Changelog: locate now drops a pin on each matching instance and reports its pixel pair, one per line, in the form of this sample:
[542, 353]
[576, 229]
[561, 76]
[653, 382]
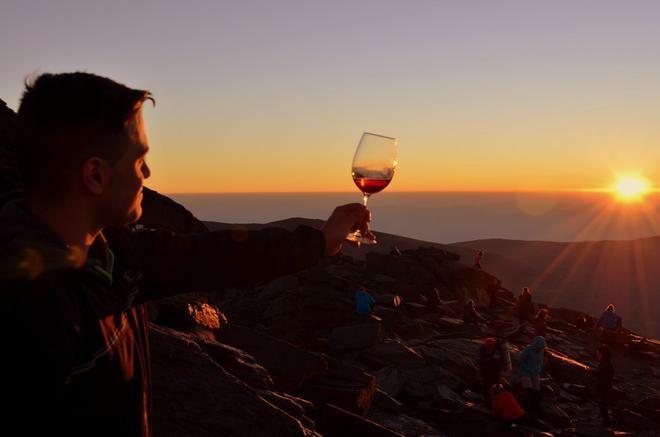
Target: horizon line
[457, 191]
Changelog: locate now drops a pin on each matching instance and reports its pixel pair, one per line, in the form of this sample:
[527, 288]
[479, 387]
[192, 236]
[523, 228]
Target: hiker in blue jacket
[610, 319]
[530, 366]
[364, 303]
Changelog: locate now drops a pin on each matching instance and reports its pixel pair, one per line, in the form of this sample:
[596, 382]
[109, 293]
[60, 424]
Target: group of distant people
[493, 359]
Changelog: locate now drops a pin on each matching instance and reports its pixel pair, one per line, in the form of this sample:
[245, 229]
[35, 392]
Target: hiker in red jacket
[505, 406]
[75, 278]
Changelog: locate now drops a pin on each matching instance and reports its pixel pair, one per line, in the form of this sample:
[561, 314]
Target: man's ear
[96, 174]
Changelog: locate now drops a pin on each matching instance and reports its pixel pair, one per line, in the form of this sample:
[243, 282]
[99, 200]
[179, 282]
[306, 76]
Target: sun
[631, 188]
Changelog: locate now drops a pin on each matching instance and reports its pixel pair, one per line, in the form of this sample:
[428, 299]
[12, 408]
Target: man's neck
[68, 220]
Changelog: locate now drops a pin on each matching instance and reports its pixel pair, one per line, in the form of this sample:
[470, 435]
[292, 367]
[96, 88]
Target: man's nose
[146, 171]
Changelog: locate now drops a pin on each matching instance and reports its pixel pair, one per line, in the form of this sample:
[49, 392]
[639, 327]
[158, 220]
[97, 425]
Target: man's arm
[174, 264]
[179, 263]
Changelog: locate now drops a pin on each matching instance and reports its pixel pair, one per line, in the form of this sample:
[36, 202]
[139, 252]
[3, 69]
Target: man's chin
[134, 217]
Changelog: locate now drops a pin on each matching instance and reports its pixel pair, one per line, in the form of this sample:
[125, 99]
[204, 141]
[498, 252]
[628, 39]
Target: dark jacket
[540, 327]
[525, 306]
[76, 338]
[604, 377]
[490, 364]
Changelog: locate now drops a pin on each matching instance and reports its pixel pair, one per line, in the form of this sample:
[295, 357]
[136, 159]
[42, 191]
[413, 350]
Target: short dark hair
[64, 119]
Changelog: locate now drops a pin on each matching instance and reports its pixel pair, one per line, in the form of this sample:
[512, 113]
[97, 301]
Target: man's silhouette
[74, 278]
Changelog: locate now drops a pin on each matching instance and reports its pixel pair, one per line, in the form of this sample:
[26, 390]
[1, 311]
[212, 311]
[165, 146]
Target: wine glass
[373, 169]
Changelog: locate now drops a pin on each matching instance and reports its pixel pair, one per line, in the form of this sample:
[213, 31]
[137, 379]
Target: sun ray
[570, 247]
[599, 223]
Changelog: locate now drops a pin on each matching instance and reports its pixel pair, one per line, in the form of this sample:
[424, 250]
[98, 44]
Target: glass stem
[365, 198]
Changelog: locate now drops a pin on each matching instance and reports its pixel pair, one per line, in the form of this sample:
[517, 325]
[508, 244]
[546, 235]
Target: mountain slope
[584, 275]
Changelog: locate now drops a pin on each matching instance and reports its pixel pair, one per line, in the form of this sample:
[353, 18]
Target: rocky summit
[291, 358]
[301, 363]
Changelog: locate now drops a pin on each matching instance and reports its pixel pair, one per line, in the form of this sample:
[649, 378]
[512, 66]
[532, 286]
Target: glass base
[357, 236]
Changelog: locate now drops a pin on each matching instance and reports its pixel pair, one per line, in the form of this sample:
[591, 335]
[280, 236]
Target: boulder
[633, 420]
[323, 307]
[194, 396]
[288, 365]
[296, 407]
[343, 385]
[278, 286]
[320, 275]
[414, 328]
[387, 403]
[239, 363]
[392, 353]
[404, 424]
[552, 413]
[187, 312]
[388, 300]
[356, 336]
[419, 385]
[376, 262]
[448, 354]
[564, 369]
[470, 420]
[446, 398]
[391, 380]
[581, 391]
[335, 421]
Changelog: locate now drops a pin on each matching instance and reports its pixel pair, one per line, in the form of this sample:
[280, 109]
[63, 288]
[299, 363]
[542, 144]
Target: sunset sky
[274, 95]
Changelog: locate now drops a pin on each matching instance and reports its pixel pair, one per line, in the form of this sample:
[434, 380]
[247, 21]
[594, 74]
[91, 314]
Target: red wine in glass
[373, 169]
[371, 186]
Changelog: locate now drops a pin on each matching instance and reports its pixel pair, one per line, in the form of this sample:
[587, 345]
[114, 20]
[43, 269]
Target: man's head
[81, 137]
[496, 389]
[538, 343]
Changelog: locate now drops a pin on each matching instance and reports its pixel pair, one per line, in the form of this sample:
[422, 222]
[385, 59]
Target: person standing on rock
[490, 362]
[477, 260]
[470, 314]
[530, 367]
[541, 323]
[364, 303]
[75, 278]
[604, 376]
[584, 323]
[610, 320]
[525, 307]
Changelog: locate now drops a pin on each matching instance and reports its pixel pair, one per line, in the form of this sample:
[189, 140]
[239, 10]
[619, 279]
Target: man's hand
[344, 220]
